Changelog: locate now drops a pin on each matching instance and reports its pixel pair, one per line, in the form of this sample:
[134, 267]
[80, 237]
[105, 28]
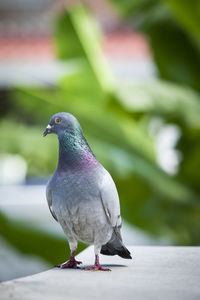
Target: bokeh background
[129, 70]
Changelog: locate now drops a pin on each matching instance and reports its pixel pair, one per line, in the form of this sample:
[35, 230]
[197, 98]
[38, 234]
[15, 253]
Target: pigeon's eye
[57, 120]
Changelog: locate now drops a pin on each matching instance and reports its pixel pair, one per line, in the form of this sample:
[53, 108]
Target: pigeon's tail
[115, 246]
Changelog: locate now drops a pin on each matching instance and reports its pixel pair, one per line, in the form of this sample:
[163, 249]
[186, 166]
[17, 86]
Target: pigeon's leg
[72, 262]
[97, 266]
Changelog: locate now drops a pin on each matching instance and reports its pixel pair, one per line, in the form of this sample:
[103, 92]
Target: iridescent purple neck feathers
[74, 152]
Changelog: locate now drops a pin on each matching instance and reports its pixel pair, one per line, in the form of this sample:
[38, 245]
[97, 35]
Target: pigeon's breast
[77, 205]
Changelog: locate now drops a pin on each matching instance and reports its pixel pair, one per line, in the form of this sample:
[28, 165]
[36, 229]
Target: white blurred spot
[12, 169]
[166, 138]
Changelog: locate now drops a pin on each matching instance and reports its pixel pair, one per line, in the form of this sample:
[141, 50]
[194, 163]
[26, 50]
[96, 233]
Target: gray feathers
[116, 246]
[110, 200]
[49, 201]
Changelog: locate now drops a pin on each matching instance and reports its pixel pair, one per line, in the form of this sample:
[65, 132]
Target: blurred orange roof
[117, 45]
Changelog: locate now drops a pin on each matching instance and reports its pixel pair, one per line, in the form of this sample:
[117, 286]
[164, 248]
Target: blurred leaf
[29, 143]
[82, 85]
[188, 14]
[173, 31]
[162, 98]
[189, 145]
[129, 7]
[143, 14]
[175, 55]
[76, 35]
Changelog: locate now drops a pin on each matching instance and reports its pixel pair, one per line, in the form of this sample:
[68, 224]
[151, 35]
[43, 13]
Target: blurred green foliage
[173, 31]
[116, 116]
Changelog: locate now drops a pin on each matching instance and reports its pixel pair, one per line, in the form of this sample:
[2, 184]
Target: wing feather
[110, 200]
[49, 201]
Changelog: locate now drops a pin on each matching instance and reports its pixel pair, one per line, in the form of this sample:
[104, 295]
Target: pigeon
[82, 195]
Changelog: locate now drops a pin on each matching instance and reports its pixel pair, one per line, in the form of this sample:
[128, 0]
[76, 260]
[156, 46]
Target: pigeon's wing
[49, 201]
[110, 200]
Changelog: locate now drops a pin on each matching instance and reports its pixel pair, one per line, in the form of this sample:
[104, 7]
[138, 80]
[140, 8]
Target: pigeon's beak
[48, 130]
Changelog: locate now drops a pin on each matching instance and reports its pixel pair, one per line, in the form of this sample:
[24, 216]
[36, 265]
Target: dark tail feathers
[115, 246]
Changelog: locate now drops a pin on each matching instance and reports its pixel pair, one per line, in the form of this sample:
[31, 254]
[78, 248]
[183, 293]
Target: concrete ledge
[170, 273]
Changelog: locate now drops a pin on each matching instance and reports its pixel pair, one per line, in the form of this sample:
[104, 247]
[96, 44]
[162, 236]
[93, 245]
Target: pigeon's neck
[74, 152]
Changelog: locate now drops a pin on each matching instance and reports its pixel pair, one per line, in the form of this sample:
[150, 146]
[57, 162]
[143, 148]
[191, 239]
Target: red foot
[70, 264]
[96, 268]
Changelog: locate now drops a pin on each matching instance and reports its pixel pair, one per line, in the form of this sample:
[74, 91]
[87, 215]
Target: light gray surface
[22, 265]
[170, 273]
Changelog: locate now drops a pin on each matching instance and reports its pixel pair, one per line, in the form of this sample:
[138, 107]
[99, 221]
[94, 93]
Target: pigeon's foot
[97, 266]
[70, 264]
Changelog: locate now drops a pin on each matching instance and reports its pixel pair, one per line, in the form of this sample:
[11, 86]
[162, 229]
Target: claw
[70, 264]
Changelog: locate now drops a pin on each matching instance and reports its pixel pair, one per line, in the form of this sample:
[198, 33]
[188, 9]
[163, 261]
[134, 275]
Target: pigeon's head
[61, 122]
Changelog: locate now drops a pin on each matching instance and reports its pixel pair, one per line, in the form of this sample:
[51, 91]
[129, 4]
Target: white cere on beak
[48, 126]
